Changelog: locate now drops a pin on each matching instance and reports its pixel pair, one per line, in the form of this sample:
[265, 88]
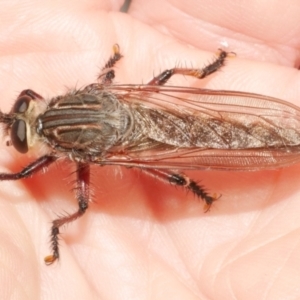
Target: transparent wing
[270, 126]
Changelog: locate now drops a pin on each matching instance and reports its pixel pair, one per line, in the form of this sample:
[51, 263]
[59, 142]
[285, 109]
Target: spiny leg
[107, 73]
[219, 61]
[83, 196]
[184, 181]
[31, 169]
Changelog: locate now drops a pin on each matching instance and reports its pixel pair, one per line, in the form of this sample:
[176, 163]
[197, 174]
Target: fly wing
[270, 129]
[197, 159]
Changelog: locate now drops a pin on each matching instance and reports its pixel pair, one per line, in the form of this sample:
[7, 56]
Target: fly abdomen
[224, 131]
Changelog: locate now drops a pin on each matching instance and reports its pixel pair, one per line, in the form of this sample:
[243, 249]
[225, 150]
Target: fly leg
[31, 169]
[184, 181]
[83, 197]
[107, 73]
[219, 62]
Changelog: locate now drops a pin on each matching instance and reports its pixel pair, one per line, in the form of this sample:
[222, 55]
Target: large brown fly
[156, 128]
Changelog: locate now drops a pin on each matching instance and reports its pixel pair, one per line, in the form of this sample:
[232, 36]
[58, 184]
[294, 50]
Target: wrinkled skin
[141, 239]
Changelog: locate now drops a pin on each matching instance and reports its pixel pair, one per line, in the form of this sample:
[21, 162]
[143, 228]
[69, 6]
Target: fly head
[21, 122]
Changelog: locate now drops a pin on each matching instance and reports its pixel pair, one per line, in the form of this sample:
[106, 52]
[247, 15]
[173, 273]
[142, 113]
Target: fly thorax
[85, 122]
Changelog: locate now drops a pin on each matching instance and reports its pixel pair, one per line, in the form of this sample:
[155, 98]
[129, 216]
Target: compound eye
[21, 105]
[18, 136]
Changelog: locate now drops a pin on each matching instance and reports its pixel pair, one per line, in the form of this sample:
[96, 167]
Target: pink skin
[141, 239]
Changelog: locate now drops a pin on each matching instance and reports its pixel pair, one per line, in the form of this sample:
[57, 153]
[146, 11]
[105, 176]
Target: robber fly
[153, 127]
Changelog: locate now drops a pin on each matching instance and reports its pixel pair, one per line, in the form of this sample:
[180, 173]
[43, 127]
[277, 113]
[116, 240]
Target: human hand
[142, 238]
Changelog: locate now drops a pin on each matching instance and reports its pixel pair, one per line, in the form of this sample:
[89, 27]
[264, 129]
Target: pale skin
[141, 239]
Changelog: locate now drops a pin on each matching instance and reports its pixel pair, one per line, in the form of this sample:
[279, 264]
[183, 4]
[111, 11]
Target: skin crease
[141, 239]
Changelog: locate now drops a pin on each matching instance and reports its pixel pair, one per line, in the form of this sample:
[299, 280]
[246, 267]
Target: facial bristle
[5, 118]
